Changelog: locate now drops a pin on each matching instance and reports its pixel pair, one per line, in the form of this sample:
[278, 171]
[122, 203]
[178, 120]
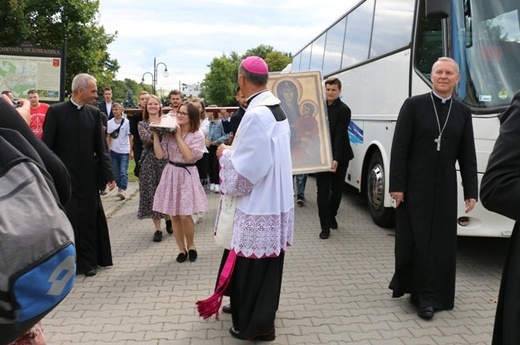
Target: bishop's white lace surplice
[259, 172]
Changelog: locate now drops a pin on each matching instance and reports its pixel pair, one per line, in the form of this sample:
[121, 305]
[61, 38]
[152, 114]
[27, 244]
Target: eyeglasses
[182, 113]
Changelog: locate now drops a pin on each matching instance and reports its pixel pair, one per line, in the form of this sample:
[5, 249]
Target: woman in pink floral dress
[179, 193]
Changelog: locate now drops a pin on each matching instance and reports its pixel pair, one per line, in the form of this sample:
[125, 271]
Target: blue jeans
[120, 168]
[301, 181]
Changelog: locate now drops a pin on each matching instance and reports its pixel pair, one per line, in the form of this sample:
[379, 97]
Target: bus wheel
[376, 179]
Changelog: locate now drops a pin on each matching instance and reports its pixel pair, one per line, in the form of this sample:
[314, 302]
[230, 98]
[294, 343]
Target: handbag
[115, 133]
[226, 217]
[225, 220]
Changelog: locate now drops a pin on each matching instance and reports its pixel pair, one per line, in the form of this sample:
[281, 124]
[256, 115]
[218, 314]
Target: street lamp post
[154, 75]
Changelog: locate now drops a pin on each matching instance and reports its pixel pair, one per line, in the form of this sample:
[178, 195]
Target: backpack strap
[118, 128]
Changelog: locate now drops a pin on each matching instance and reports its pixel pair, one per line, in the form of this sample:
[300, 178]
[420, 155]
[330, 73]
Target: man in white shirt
[120, 142]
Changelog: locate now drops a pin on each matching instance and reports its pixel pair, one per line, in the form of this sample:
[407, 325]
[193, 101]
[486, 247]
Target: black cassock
[501, 193]
[426, 222]
[77, 137]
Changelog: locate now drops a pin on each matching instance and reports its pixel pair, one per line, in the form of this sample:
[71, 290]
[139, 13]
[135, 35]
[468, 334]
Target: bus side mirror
[437, 9]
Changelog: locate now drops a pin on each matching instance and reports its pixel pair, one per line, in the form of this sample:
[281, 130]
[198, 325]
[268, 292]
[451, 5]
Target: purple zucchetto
[255, 64]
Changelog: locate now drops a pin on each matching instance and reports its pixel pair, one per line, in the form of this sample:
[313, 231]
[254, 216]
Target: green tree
[129, 101]
[277, 61]
[262, 50]
[126, 92]
[62, 23]
[119, 90]
[218, 86]
[219, 83]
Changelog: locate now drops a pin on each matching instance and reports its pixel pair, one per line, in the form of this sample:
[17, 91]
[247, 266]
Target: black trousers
[202, 167]
[138, 150]
[213, 165]
[329, 192]
[255, 294]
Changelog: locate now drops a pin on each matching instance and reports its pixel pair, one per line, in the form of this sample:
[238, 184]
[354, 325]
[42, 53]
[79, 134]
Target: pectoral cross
[438, 141]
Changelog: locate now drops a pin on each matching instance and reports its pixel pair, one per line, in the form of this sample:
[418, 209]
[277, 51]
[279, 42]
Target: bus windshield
[487, 38]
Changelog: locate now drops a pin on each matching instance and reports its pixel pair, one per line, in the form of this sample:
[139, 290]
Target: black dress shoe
[234, 333]
[426, 313]
[157, 236]
[182, 257]
[90, 273]
[226, 309]
[324, 234]
[169, 228]
[192, 254]
[266, 337]
[333, 223]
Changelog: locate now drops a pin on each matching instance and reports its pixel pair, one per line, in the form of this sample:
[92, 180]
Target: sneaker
[212, 187]
[301, 201]
[121, 194]
[217, 188]
[157, 236]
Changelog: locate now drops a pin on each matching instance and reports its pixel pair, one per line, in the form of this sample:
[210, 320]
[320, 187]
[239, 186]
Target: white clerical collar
[79, 107]
[443, 99]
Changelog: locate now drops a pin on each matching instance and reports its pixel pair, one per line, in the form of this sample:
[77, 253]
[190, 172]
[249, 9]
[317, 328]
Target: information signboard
[29, 67]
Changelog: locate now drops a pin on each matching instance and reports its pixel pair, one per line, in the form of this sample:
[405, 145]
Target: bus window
[357, 36]
[306, 58]
[318, 48]
[296, 63]
[429, 46]
[334, 48]
[493, 58]
[392, 26]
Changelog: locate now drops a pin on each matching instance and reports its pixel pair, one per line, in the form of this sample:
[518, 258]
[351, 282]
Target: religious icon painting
[302, 99]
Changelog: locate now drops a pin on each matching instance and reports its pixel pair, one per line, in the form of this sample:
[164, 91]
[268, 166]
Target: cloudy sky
[187, 35]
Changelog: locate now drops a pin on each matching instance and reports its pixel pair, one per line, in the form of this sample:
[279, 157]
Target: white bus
[383, 50]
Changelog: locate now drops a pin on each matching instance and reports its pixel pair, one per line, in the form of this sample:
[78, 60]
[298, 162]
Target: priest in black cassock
[500, 192]
[73, 130]
[433, 132]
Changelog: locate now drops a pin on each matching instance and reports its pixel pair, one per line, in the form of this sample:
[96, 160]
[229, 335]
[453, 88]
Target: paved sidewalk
[334, 291]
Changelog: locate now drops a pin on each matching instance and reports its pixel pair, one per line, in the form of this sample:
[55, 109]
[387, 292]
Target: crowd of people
[247, 156]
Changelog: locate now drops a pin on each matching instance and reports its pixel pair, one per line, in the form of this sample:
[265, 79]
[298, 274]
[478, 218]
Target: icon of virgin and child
[302, 115]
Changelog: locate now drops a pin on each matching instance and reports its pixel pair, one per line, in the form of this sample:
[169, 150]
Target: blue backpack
[37, 253]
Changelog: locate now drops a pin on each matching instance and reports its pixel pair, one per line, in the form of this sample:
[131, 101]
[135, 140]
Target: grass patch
[131, 176]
